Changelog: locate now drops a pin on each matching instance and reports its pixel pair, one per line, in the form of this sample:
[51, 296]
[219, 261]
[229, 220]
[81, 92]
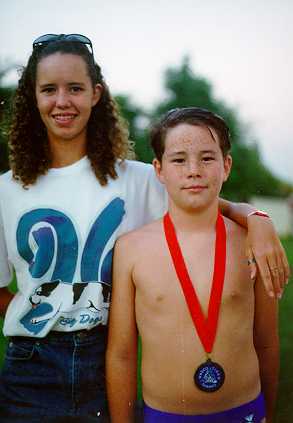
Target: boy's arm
[121, 356]
[266, 341]
[263, 244]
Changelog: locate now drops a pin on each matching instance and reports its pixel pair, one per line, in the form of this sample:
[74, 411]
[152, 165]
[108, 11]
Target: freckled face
[65, 96]
[193, 168]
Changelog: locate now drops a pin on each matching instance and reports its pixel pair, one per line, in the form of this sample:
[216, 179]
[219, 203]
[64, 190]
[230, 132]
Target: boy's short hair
[193, 116]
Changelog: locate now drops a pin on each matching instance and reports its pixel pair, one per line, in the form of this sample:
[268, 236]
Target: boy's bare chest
[158, 284]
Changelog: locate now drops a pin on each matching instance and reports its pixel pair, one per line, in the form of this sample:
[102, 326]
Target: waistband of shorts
[252, 411]
[58, 336]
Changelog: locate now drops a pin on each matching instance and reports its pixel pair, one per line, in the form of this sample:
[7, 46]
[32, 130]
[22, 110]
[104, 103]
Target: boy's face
[192, 168]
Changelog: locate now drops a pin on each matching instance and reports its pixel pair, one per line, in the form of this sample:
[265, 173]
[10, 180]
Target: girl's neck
[64, 153]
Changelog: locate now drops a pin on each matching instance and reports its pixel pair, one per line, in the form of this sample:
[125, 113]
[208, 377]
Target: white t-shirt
[58, 237]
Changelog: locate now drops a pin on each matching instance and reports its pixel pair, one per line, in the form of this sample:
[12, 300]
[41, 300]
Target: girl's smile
[65, 97]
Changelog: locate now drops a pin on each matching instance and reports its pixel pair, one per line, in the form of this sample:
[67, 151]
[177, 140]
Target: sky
[243, 47]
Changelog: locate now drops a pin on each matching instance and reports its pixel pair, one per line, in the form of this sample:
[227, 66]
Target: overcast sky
[244, 48]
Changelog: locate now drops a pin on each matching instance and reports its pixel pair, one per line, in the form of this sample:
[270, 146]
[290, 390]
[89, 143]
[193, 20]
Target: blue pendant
[209, 376]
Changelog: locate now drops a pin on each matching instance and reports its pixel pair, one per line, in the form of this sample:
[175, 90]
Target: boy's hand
[270, 258]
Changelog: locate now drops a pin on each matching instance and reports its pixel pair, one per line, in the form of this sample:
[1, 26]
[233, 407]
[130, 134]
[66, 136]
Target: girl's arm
[263, 244]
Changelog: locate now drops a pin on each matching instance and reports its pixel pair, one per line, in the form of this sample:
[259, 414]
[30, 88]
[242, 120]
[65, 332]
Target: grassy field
[285, 396]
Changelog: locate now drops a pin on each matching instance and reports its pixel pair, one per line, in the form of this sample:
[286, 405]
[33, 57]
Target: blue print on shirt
[100, 233]
[45, 242]
[43, 234]
[67, 243]
[29, 321]
[106, 271]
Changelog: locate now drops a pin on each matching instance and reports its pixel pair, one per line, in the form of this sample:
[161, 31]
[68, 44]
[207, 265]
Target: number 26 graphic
[56, 242]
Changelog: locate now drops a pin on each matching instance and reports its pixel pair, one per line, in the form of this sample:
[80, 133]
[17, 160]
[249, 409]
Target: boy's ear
[158, 169]
[227, 166]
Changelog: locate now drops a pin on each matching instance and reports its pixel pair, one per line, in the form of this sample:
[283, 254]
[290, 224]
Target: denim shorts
[58, 378]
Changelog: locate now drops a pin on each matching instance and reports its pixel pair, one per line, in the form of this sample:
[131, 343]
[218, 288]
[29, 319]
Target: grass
[285, 395]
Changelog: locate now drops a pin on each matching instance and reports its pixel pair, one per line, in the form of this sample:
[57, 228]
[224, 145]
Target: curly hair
[107, 134]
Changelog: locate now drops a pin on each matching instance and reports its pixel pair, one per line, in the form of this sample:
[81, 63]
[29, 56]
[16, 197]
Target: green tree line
[183, 87]
[6, 94]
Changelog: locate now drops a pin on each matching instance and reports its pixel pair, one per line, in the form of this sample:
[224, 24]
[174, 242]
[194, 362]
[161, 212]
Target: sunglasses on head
[50, 38]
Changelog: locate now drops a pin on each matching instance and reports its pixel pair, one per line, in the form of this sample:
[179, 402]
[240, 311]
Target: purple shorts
[251, 412]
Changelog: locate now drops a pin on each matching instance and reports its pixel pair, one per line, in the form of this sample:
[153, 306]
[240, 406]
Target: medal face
[209, 376]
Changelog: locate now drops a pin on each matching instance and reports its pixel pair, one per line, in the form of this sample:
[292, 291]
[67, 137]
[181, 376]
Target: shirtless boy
[234, 322]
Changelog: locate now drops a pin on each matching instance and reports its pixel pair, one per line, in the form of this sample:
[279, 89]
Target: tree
[137, 120]
[249, 175]
[6, 94]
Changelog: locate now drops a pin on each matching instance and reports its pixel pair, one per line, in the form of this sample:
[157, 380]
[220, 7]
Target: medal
[209, 376]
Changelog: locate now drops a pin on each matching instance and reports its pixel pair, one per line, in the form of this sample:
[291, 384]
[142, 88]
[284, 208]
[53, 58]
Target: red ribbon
[206, 327]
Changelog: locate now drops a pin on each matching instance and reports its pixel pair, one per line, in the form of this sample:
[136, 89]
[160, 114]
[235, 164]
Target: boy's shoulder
[234, 230]
[140, 237]
[236, 240]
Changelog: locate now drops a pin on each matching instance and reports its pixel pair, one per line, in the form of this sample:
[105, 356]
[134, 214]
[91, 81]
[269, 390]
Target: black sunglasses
[50, 38]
